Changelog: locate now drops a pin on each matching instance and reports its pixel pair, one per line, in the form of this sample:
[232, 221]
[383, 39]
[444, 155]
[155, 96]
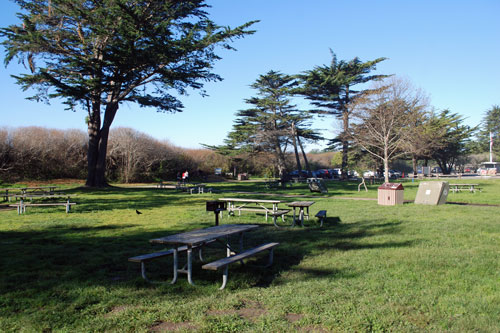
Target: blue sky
[448, 48]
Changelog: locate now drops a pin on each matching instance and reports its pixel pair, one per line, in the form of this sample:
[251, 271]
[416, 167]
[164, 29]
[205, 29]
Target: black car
[303, 174]
[323, 173]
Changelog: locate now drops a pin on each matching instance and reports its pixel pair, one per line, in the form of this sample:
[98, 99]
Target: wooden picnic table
[460, 187]
[7, 196]
[21, 205]
[241, 204]
[197, 238]
[38, 189]
[300, 205]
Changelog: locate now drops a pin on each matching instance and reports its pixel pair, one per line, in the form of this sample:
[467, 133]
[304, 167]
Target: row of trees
[388, 120]
[40, 153]
[273, 123]
[36, 153]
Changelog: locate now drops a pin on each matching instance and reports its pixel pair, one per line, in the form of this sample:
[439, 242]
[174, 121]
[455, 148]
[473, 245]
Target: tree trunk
[296, 151]
[386, 170]
[386, 164]
[414, 164]
[94, 133]
[281, 162]
[345, 145]
[306, 161]
[98, 145]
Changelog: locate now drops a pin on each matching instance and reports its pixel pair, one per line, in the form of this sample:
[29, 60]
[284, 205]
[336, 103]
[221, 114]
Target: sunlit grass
[370, 268]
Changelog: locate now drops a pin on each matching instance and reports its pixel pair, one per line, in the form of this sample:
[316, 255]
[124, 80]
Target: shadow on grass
[116, 198]
[39, 262]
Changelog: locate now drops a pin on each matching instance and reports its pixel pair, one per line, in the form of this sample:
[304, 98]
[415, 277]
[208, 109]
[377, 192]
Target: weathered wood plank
[215, 265]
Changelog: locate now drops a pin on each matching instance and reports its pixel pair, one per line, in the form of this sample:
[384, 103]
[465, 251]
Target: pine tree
[490, 124]
[330, 89]
[272, 123]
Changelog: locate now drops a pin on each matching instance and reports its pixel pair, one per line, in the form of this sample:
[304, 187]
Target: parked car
[335, 173]
[303, 174]
[436, 170]
[370, 173]
[394, 174]
[323, 173]
[352, 174]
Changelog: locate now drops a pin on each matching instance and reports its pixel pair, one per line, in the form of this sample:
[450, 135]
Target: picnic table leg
[176, 262]
[301, 216]
[293, 224]
[190, 264]
[224, 278]
[241, 242]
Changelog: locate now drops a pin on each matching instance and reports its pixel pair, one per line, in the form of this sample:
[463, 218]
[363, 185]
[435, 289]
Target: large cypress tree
[97, 54]
[331, 89]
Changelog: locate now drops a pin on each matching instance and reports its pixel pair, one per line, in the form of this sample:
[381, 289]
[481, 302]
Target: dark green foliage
[99, 54]
[490, 124]
[271, 124]
[330, 89]
[454, 142]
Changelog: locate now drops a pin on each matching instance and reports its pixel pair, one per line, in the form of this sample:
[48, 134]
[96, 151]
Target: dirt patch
[294, 317]
[116, 310]
[166, 326]
[315, 329]
[250, 310]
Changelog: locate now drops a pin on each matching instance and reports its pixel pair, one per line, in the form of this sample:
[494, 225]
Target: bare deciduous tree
[383, 119]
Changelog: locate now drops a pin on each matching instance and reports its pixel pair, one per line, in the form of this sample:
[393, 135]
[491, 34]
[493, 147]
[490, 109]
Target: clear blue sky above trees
[448, 48]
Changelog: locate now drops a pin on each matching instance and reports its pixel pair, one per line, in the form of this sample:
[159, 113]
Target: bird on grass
[138, 212]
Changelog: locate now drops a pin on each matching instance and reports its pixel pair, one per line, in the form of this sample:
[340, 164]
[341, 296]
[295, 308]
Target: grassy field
[370, 268]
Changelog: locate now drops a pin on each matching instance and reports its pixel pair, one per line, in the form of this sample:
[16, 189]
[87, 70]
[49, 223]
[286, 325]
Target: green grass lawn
[370, 268]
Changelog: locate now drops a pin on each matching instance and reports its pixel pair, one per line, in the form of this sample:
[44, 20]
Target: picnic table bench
[241, 204]
[321, 215]
[143, 258]
[200, 189]
[469, 187]
[21, 205]
[225, 262]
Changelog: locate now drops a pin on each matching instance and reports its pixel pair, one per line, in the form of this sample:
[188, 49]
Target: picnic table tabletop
[43, 195]
[250, 200]
[300, 204]
[204, 235]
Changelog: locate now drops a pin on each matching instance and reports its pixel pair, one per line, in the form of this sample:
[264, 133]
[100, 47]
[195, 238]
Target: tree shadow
[38, 263]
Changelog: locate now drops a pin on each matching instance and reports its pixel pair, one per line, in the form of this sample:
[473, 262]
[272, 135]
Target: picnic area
[366, 268]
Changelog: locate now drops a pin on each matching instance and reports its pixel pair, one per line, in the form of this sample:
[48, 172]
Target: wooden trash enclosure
[390, 194]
